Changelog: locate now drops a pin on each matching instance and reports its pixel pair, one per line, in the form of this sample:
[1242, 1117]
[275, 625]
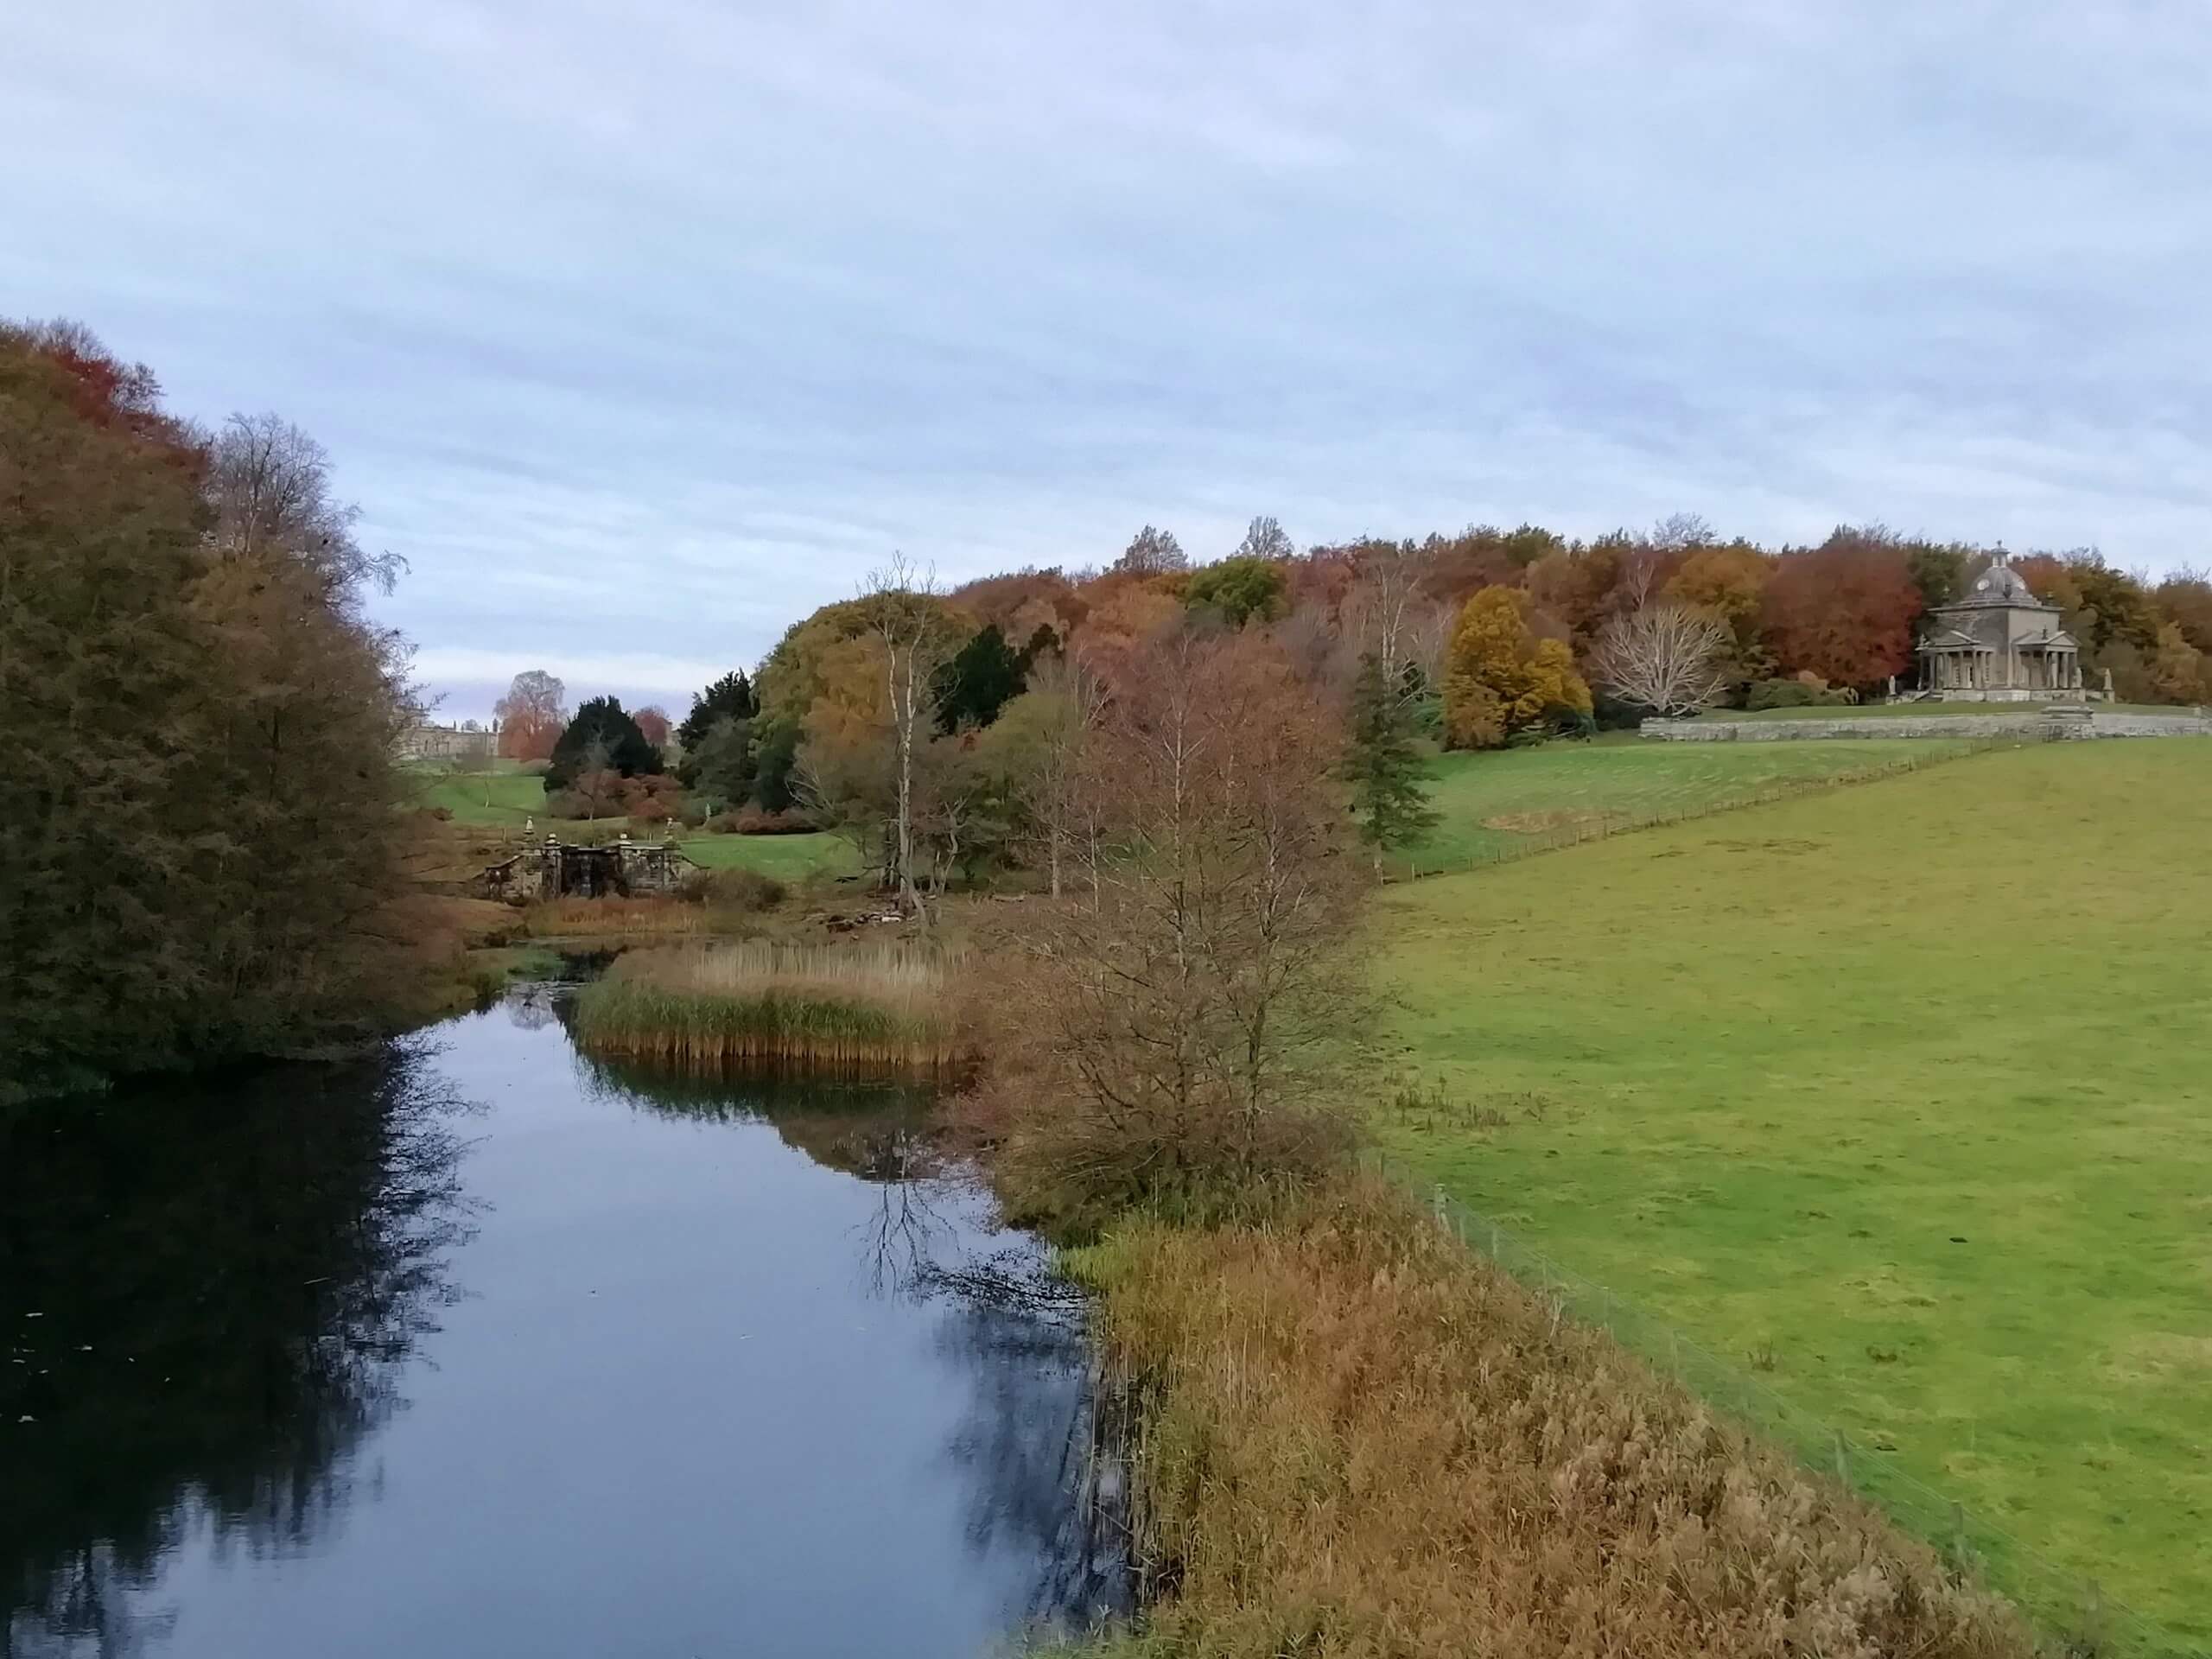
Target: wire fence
[1416, 867]
[2071, 1609]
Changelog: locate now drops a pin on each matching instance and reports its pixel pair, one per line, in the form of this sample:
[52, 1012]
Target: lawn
[788, 858]
[1498, 805]
[505, 797]
[1900, 1092]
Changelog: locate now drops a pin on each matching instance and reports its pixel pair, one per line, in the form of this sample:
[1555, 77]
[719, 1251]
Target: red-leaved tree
[1843, 610]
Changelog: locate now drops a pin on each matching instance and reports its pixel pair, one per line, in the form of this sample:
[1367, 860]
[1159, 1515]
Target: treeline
[927, 717]
[199, 822]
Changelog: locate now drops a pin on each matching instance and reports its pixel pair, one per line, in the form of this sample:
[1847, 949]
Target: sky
[640, 331]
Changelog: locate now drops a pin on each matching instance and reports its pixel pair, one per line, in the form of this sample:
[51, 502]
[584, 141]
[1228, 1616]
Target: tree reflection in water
[1041, 1486]
[207, 1288]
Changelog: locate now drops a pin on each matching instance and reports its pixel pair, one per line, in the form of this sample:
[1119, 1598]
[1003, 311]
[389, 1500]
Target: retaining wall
[2031, 725]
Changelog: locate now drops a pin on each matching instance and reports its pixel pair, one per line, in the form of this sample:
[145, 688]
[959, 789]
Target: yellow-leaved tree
[1500, 679]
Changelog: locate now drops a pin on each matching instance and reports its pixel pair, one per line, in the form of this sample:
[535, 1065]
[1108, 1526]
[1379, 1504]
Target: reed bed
[856, 1009]
[1348, 1439]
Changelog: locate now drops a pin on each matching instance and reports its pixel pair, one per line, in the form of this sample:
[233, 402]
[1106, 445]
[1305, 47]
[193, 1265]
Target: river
[480, 1348]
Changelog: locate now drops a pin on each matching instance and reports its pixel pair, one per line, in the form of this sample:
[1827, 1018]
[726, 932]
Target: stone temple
[1999, 644]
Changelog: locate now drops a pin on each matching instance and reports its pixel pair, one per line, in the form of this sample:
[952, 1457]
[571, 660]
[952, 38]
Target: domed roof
[2000, 585]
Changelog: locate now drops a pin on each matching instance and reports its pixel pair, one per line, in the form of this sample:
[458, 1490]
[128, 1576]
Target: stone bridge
[557, 870]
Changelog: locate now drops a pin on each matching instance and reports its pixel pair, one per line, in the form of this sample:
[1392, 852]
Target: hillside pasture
[1897, 1096]
[506, 796]
[1499, 805]
[792, 858]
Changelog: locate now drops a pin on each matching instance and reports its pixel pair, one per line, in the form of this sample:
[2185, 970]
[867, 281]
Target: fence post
[1494, 1252]
[1842, 1459]
[1436, 1204]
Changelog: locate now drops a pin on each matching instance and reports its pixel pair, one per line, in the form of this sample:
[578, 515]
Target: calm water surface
[482, 1350]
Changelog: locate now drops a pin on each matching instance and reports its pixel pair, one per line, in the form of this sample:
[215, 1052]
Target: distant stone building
[467, 740]
[1999, 644]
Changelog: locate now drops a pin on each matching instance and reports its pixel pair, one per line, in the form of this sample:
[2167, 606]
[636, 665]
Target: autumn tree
[1159, 1041]
[1045, 735]
[202, 847]
[1500, 679]
[2184, 599]
[1390, 614]
[653, 725]
[532, 715]
[1843, 611]
[1384, 764]
[1672, 659]
[1152, 553]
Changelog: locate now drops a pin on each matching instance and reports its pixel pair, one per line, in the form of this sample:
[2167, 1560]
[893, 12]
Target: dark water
[480, 1349]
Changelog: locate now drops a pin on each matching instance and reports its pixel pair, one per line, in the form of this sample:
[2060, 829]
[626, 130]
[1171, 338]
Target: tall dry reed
[857, 1008]
[1352, 1440]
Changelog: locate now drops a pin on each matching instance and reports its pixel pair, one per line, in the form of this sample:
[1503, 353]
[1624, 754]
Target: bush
[747, 890]
[757, 821]
[1795, 694]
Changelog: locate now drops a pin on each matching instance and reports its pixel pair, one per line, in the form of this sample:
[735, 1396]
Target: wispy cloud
[641, 334]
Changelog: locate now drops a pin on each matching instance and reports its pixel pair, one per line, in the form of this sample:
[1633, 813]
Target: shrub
[1797, 693]
[747, 890]
[757, 821]
[1351, 1438]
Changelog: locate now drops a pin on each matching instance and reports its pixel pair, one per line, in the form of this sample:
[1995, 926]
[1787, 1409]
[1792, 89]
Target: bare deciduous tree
[908, 619]
[1670, 659]
[1160, 1040]
[1071, 700]
[1389, 616]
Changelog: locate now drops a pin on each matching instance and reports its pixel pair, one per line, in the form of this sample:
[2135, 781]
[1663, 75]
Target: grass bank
[1352, 1437]
[1497, 807]
[846, 1009]
[1897, 1096]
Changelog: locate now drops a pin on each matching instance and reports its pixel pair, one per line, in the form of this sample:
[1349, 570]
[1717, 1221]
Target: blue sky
[641, 330]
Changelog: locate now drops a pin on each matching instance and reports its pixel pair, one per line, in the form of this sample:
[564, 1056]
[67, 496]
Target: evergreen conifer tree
[1384, 764]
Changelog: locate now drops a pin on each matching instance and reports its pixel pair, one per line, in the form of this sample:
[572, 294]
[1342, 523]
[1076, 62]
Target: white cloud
[641, 336]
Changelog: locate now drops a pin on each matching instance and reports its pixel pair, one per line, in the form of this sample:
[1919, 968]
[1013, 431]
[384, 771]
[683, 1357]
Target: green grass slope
[1498, 805]
[1905, 1089]
[788, 858]
[505, 796]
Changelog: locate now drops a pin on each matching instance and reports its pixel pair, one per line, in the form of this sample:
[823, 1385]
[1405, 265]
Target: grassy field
[1497, 805]
[504, 796]
[1899, 1093]
[788, 858]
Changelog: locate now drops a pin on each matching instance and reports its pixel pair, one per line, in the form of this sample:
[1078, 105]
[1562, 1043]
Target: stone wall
[552, 871]
[2026, 725]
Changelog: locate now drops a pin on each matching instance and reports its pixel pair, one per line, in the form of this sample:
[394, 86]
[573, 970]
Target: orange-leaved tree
[1499, 679]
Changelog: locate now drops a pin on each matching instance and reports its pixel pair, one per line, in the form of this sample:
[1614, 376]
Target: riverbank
[1352, 1437]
